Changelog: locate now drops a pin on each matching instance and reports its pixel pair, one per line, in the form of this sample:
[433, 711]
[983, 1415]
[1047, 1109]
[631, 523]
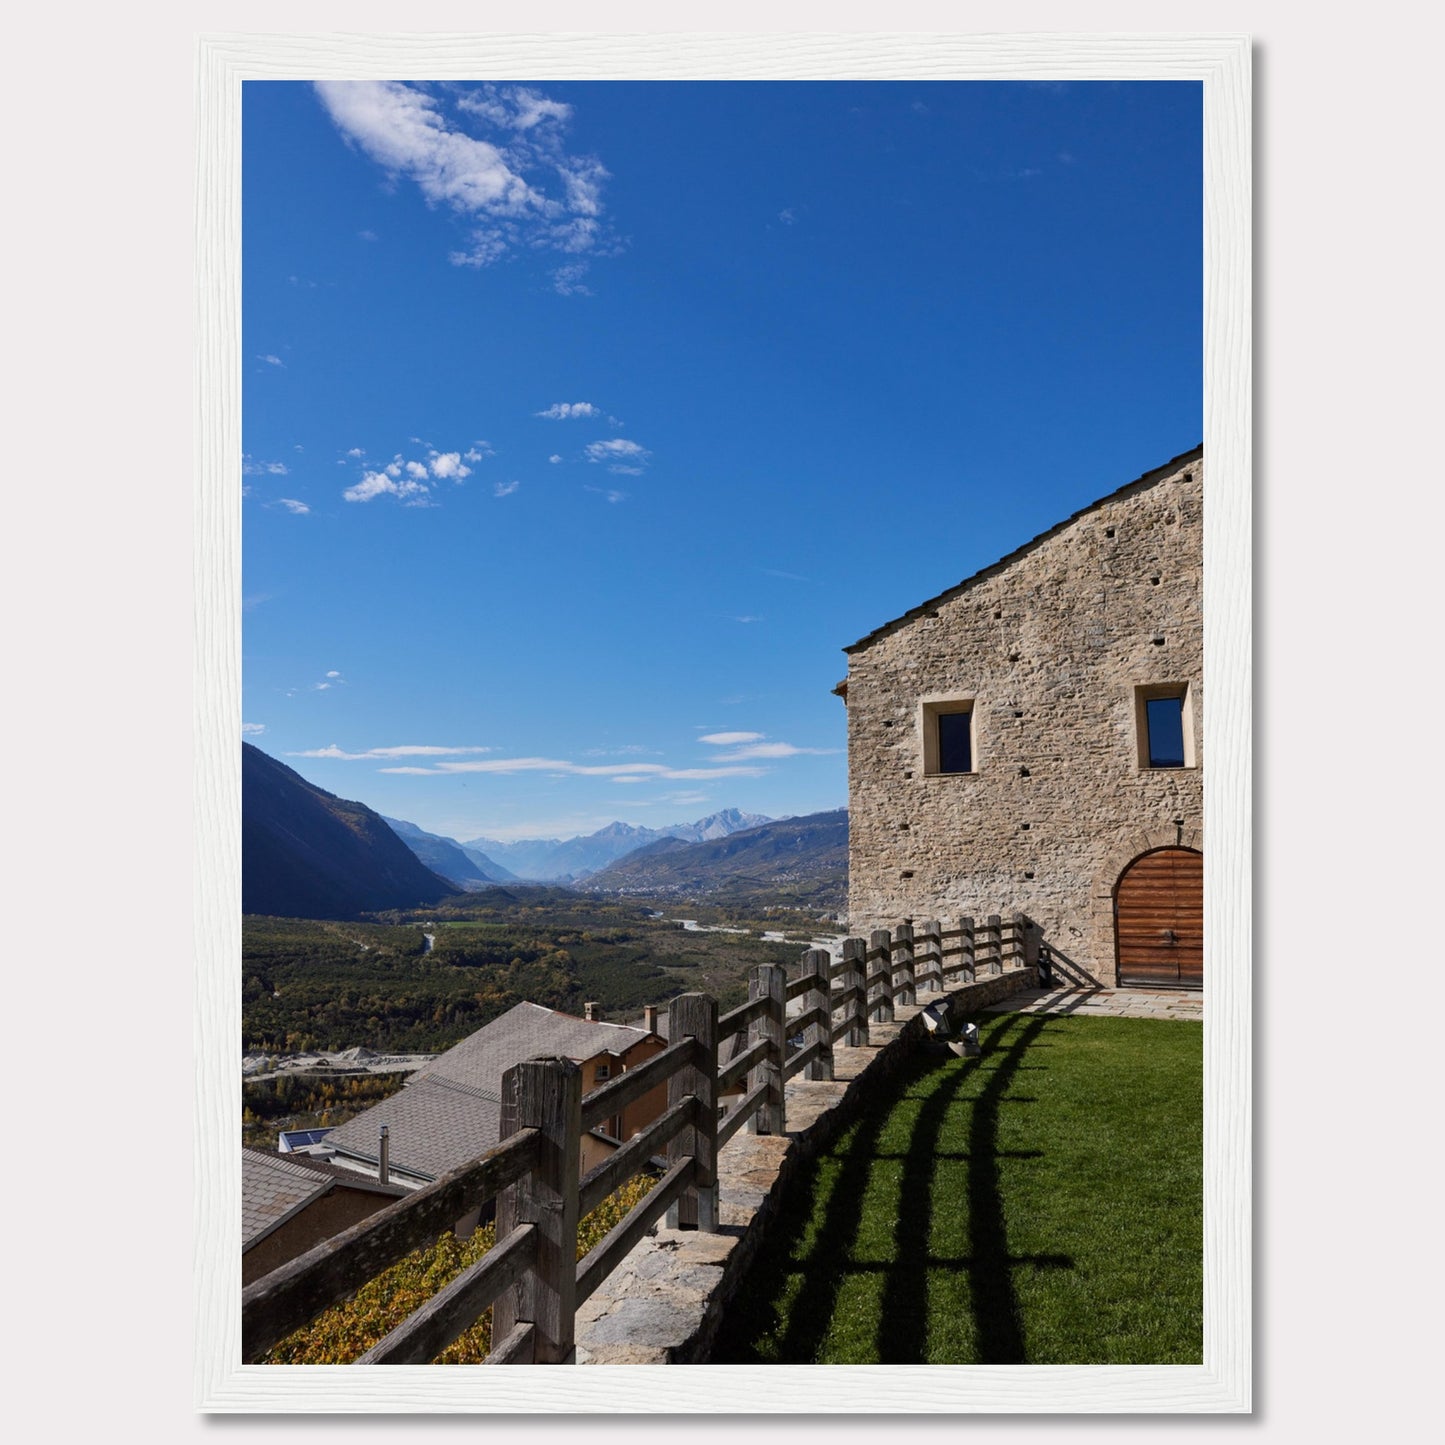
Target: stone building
[1032, 739]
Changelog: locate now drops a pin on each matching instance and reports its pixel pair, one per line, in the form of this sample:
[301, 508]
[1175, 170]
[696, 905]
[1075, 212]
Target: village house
[449, 1112]
[1032, 740]
[289, 1205]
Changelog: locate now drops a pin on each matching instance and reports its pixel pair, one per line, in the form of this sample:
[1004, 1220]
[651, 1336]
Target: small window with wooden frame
[1164, 725]
[949, 742]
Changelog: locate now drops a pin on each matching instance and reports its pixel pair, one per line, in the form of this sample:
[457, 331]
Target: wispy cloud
[772, 750]
[253, 468]
[611, 493]
[567, 410]
[622, 455]
[787, 216]
[747, 617]
[561, 767]
[505, 489]
[367, 235]
[332, 679]
[300, 509]
[787, 576]
[569, 280]
[252, 729]
[405, 750]
[494, 155]
[271, 360]
[554, 459]
[751, 747]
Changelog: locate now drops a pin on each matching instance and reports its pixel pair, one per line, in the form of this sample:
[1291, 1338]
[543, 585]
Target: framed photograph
[729, 556]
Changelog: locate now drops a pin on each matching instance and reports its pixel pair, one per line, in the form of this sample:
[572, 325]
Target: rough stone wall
[1050, 646]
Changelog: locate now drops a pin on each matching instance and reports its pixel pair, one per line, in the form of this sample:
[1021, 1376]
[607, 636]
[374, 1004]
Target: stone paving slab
[1127, 1003]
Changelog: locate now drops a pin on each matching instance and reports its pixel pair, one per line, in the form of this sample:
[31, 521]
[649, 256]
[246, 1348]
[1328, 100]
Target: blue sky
[586, 423]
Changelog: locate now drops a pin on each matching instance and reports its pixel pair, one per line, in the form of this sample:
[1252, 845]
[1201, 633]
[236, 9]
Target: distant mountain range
[800, 862]
[305, 853]
[466, 867]
[569, 860]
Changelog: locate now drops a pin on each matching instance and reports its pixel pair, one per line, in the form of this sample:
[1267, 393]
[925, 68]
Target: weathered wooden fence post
[965, 949]
[931, 967]
[694, 1015]
[905, 988]
[1013, 942]
[816, 963]
[769, 981]
[990, 944]
[855, 976]
[879, 976]
[546, 1095]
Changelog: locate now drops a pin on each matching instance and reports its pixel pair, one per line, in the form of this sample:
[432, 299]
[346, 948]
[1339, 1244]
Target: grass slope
[1039, 1205]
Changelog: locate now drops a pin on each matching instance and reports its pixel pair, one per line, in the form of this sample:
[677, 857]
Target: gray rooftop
[276, 1186]
[450, 1111]
[526, 1031]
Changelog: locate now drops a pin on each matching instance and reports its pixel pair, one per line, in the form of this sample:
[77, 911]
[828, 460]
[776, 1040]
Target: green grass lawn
[1038, 1205]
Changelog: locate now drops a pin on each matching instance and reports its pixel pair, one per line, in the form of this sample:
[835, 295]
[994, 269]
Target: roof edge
[1154, 474]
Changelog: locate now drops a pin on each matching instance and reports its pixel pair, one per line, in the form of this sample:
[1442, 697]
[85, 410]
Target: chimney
[592, 1012]
[649, 1017]
[383, 1173]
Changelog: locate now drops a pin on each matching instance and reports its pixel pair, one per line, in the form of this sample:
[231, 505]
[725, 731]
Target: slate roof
[526, 1031]
[1139, 483]
[450, 1111]
[433, 1124]
[276, 1186]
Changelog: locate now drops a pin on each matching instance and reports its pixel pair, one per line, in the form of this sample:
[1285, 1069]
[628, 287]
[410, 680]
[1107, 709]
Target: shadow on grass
[801, 1326]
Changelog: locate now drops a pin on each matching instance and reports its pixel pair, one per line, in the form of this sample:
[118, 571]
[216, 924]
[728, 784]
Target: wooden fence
[531, 1277]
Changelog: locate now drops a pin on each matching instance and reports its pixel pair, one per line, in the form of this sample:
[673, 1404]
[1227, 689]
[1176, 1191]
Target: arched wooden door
[1159, 920]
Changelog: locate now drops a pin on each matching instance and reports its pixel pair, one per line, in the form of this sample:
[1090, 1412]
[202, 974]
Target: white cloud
[626, 471]
[292, 505]
[379, 484]
[567, 280]
[610, 493]
[747, 617]
[554, 459]
[505, 489]
[401, 128]
[521, 189]
[563, 768]
[271, 360]
[367, 235]
[333, 674]
[772, 750]
[406, 750]
[449, 465]
[252, 729]
[407, 478]
[566, 410]
[748, 747]
[515, 107]
[252, 468]
[786, 216]
[618, 449]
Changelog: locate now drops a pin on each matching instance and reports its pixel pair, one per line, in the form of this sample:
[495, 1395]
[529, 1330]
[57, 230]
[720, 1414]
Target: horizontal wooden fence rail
[281, 1302]
[531, 1278]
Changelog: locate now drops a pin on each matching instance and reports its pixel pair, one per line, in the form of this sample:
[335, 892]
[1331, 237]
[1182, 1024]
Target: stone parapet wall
[664, 1303]
[1050, 648]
